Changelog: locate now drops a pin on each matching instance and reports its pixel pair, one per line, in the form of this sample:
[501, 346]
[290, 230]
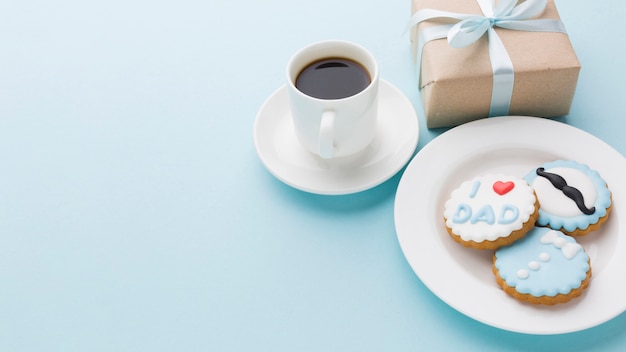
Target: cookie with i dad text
[574, 198]
[491, 211]
[544, 267]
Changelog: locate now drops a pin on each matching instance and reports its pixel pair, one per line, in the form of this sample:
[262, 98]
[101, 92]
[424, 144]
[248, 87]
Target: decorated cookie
[574, 198]
[491, 211]
[544, 267]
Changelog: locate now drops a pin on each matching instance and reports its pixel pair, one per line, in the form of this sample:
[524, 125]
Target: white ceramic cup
[333, 128]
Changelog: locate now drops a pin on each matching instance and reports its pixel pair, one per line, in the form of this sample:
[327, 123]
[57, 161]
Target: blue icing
[463, 214]
[517, 263]
[509, 214]
[475, 189]
[484, 214]
[570, 224]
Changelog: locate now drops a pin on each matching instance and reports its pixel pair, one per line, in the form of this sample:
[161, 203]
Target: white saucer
[285, 158]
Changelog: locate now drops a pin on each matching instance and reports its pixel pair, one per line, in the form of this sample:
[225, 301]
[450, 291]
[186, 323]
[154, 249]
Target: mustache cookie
[574, 198]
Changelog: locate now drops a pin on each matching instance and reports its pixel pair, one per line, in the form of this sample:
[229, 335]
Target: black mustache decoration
[570, 192]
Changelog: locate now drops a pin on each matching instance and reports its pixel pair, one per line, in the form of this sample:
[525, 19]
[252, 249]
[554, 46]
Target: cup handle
[326, 141]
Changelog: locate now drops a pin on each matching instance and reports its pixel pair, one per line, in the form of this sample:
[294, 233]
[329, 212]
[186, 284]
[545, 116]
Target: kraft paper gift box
[456, 84]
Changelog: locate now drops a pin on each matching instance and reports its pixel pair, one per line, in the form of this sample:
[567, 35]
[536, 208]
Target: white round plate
[462, 277]
[285, 158]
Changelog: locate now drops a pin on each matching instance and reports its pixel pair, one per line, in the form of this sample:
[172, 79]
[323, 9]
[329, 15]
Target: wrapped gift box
[456, 83]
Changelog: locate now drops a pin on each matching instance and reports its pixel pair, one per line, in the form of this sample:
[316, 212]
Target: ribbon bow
[507, 14]
[569, 249]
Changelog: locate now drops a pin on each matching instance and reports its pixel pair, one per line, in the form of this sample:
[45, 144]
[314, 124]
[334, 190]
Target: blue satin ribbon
[471, 27]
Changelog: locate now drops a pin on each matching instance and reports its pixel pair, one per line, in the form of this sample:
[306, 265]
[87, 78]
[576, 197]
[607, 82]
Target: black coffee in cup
[333, 78]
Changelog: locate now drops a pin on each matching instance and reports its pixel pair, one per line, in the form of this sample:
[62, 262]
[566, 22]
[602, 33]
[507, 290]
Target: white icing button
[533, 265]
[522, 274]
[560, 242]
[544, 257]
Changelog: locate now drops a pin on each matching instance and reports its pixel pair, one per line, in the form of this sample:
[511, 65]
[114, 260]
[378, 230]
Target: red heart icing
[503, 188]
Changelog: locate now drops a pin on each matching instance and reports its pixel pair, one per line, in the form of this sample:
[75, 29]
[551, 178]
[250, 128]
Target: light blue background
[135, 214]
